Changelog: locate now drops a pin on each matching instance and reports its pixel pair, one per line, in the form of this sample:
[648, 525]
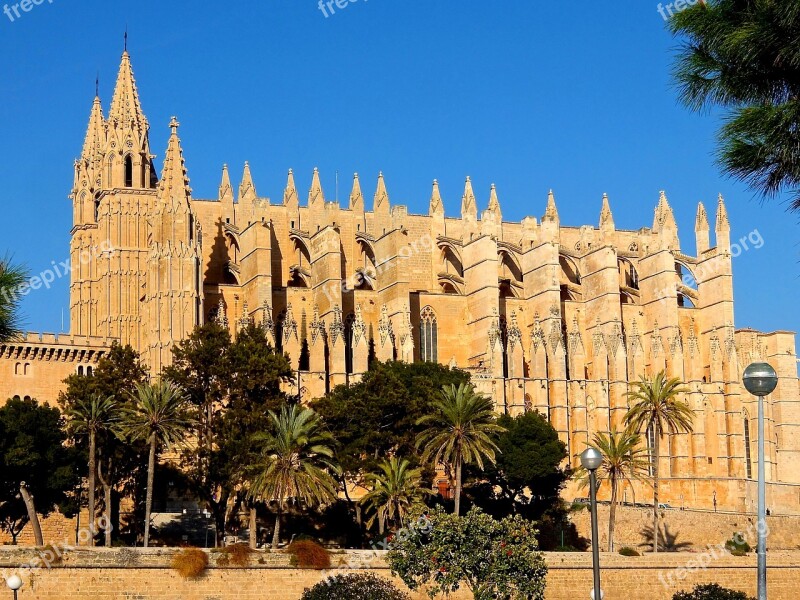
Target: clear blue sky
[573, 96]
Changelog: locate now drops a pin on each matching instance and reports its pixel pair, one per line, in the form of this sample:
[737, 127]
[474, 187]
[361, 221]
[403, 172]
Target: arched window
[348, 343]
[748, 462]
[428, 335]
[110, 170]
[528, 403]
[128, 171]
[651, 450]
[17, 370]
[27, 398]
[80, 369]
[89, 370]
[26, 369]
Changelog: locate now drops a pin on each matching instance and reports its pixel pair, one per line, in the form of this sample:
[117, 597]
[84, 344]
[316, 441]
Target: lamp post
[760, 380]
[14, 583]
[591, 460]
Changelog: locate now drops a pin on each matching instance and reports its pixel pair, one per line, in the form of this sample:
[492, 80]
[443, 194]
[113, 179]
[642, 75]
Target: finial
[173, 123]
[468, 179]
[97, 85]
[246, 164]
[355, 175]
[291, 171]
[125, 43]
[435, 182]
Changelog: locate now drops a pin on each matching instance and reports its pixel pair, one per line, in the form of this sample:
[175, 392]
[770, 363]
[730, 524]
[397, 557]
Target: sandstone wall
[145, 575]
[688, 530]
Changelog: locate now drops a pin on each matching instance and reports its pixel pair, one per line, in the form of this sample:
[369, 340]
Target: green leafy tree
[258, 376]
[119, 461]
[711, 591]
[459, 431]
[160, 417]
[624, 461]
[379, 415]
[527, 476]
[201, 368]
[89, 418]
[495, 560]
[655, 405]
[355, 586]
[393, 492]
[295, 463]
[742, 55]
[12, 277]
[35, 465]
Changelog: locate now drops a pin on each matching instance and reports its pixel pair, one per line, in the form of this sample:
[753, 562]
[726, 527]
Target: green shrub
[308, 554]
[711, 592]
[737, 545]
[190, 562]
[627, 551]
[358, 586]
[566, 548]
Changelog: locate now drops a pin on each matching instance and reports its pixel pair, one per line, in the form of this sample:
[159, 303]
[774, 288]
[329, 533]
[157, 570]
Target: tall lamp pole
[591, 460]
[760, 379]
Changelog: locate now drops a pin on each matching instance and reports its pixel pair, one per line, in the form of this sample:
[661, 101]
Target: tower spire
[126, 109]
[247, 189]
[290, 193]
[436, 204]
[356, 196]
[95, 133]
[494, 202]
[315, 194]
[469, 207]
[606, 218]
[174, 179]
[225, 188]
[551, 212]
[381, 200]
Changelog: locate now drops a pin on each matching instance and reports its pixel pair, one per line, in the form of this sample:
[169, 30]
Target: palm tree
[624, 461]
[656, 407]
[91, 417]
[11, 279]
[742, 56]
[394, 491]
[160, 416]
[459, 432]
[296, 462]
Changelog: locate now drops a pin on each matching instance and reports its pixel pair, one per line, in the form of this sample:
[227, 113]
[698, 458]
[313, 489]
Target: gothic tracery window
[748, 463]
[428, 335]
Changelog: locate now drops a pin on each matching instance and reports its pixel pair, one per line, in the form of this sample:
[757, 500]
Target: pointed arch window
[348, 343]
[651, 450]
[128, 171]
[428, 335]
[748, 462]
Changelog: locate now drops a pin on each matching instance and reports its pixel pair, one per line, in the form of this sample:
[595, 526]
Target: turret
[722, 229]
[701, 230]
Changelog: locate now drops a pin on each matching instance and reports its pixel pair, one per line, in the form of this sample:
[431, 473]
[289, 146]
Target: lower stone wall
[137, 574]
[687, 530]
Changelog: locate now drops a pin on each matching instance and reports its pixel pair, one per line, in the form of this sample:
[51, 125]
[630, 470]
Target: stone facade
[545, 316]
[138, 574]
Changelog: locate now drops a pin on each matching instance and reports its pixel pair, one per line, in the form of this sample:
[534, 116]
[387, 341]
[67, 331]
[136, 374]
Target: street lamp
[591, 460]
[14, 582]
[760, 379]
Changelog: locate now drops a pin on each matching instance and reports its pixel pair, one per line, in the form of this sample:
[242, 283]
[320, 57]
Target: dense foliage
[711, 592]
[743, 55]
[379, 415]
[527, 476]
[355, 586]
[496, 560]
[32, 451]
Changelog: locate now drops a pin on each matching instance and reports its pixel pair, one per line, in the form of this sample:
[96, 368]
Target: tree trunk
[612, 513]
[276, 534]
[92, 483]
[32, 516]
[253, 527]
[458, 488]
[148, 503]
[105, 482]
[656, 447]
